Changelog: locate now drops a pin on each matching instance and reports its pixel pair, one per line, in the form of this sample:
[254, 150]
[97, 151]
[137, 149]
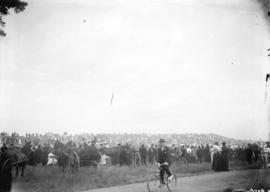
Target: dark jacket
[164, 156]
[143, 152]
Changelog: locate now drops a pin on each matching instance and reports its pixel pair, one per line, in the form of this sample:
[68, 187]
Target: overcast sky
[172, 66]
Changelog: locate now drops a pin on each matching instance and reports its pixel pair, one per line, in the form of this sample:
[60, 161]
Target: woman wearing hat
[164, 161]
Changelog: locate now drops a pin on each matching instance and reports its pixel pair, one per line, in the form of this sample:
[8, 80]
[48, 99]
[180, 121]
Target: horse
[5, 170]
[15, 158]
[66, 157]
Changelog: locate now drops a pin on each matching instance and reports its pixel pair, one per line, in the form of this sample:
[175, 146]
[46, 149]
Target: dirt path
[216, 182]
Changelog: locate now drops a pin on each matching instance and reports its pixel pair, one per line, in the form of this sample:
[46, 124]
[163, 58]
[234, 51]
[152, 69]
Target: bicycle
[153, 183]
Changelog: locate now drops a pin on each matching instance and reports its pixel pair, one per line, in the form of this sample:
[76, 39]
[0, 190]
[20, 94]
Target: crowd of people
[115, 139]
[141, 149]
[132, 149]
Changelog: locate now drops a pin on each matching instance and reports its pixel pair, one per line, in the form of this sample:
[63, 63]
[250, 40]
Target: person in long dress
[211, 150]
[216, 165]
[224, 157]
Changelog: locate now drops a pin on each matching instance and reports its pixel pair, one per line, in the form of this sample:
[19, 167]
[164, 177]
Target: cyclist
[164, 161]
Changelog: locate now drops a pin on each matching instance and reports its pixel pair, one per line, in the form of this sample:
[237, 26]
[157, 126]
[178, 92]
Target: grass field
[54, 179]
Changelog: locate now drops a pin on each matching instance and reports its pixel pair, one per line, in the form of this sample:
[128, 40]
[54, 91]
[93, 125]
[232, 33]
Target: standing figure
[207, 155]
[216, 164]
[265, 153]
[143, 153]
[199, 154]
[151, 154]
[123, 156]
[224, 157]
[138, 159]
[249, 154]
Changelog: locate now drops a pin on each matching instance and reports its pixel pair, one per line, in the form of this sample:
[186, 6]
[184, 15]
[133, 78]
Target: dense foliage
[5, 7]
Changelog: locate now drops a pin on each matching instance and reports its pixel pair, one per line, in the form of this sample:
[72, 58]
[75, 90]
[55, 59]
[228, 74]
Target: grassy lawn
[54, 179]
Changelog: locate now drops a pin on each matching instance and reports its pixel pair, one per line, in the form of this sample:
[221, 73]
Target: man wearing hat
[164, 161]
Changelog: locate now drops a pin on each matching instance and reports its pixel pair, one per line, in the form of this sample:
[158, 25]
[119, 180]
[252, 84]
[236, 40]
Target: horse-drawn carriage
[67, 157]
[93, 156]
[73, 158]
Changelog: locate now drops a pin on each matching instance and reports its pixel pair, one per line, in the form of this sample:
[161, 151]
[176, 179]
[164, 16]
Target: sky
[135, 66]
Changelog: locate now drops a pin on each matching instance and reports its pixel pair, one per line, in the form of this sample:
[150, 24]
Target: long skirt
[217, 162]
[224, 162]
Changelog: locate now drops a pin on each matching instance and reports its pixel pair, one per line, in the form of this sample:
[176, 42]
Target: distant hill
[134, 139]
[194, 138]
[210, 138]
[186, 138]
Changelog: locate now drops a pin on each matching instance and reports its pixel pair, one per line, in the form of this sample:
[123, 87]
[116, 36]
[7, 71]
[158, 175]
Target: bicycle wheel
[172, 183]
[153, 183]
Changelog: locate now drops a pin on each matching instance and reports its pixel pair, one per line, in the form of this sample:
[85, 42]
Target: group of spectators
[141, 149]
[143, 155]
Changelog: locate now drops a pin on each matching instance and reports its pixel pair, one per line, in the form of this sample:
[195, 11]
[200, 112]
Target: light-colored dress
[214, 149]
[51, 159]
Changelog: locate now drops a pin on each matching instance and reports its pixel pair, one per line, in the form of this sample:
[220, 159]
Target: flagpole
[266, 99]
[112, 115]
[267, 105]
